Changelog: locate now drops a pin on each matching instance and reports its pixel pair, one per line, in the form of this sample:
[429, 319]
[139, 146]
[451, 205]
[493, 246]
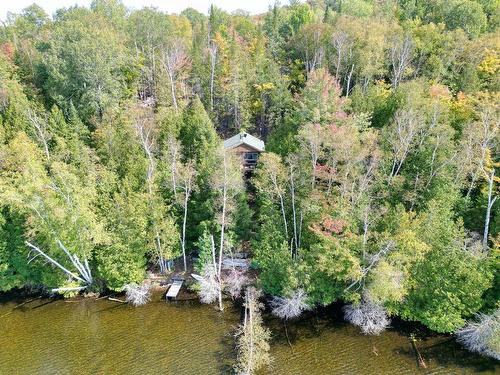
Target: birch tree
[161, 224]
[227, 180]
[311, 137]
[271, 179]
[491, 201]
[400, 53]
[174, 59]
[405, 133]
[476, 145]
[251, 337]
[40, 129]
[62, 224]
[187, 181]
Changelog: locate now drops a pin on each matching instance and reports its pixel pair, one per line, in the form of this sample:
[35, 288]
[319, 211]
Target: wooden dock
[174, 289]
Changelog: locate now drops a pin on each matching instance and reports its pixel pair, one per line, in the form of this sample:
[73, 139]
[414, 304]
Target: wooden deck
[174, 289]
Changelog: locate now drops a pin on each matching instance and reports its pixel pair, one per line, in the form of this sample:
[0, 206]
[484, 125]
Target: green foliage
[197, 135]
[84, 62]
[272, 256]
[243, 220]
[329, 265]
[448, 284]
[380, 122]
[205, 256]
[14, 272]
[118, 265]
[467, 15]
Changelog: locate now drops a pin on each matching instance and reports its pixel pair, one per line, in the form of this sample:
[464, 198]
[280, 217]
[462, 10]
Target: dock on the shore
[174, 289]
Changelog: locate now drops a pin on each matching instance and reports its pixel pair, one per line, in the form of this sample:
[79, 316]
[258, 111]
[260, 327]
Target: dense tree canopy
[379, 182]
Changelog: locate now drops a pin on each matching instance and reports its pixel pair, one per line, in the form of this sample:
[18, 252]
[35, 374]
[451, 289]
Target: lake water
[105, 337]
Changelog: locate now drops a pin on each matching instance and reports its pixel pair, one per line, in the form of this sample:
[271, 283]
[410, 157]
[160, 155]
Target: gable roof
[246, 139]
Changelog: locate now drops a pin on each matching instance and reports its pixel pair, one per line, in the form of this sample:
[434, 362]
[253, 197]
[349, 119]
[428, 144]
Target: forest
[377, 188]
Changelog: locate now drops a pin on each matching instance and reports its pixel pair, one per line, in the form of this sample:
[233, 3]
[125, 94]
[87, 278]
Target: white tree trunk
[186, 198]
[294, 213]
[213, 60]
[219, 278]
[491, 201]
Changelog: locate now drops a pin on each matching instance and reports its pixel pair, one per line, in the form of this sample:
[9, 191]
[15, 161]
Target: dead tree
[211, 281]
[481, 336]
[400, 56]
[138, 295]
[174, 59]
[235, 281]
[369, 316]
[83, 274]
[291, 306]
[252, 338]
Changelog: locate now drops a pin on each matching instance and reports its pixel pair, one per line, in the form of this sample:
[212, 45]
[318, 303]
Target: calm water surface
[105, 337]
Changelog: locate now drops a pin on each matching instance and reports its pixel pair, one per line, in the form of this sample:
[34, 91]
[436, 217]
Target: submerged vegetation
[378, 187]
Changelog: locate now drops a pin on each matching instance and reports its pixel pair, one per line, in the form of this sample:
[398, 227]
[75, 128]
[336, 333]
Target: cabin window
[251, 156]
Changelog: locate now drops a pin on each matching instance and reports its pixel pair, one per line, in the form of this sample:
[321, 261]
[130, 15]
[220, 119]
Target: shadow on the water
[50, 301]
[309, 325]
[439, 349]
[447, 352]
[226, 357]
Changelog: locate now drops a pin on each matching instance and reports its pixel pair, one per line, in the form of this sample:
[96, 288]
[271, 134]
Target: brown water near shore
[105, 337]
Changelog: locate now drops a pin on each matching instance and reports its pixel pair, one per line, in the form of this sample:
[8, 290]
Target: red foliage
[329, 226]
[341, 115]
[333, 128]
[335, 226]
[324, 171]
[8, 50]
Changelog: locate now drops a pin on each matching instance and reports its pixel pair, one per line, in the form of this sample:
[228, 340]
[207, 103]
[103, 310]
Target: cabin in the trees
[247, 146]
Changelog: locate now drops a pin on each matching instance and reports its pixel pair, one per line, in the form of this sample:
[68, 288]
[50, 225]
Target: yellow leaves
[490, 64]
[261, 89]
[461, 106]
[485, 99]
[386, 284]
[410, 246]
[489, 166]
[382, 88]
[256, 47]
[222, 44]
[266, 86]
[181, 27]
[23, 155]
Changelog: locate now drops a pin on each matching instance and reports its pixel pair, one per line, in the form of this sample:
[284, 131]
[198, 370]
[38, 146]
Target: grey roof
[244, 138]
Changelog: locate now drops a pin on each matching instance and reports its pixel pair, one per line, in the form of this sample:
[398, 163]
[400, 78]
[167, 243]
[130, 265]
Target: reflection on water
[324, 344]
[105, 337]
